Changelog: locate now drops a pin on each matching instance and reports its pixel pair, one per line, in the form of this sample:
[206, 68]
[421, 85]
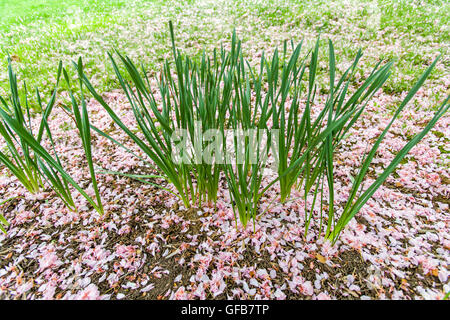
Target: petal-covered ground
[147, 246]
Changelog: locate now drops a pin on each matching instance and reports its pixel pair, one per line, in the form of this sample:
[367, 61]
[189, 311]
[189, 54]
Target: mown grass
[37, 33]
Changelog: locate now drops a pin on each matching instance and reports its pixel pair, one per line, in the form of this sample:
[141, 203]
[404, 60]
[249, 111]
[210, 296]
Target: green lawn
[38, 33]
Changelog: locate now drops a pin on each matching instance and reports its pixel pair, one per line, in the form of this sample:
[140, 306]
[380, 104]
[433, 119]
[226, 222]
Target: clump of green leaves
[24, 146]
[200, 93]
[26, 157]
[223, 92]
